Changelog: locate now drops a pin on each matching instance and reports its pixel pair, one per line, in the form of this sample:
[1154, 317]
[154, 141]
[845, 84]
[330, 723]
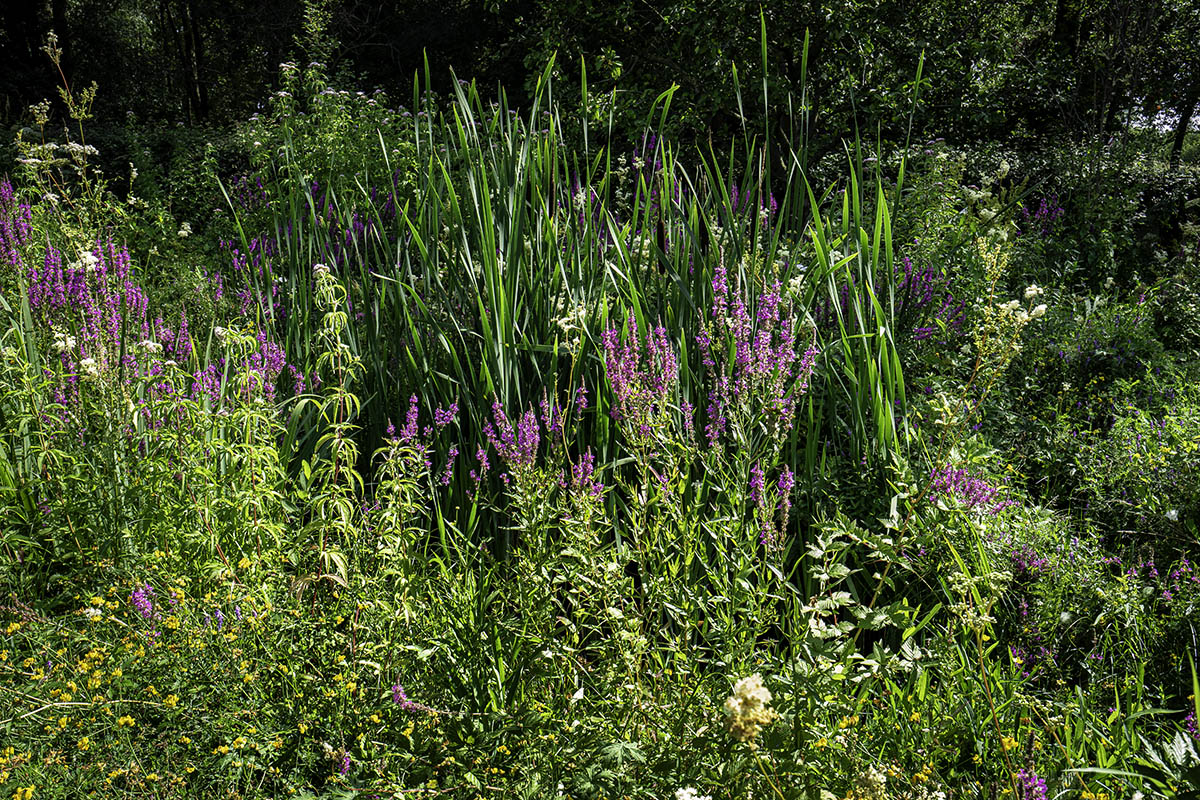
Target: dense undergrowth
[453, 451]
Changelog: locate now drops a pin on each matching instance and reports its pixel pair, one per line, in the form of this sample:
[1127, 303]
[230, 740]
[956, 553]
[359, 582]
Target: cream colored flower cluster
[748, 709]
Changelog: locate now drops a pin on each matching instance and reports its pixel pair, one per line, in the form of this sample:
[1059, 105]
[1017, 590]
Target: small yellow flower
[125, 722]
[914, 716]
[84, 744]
[1008, 743]
[171, 701]
[302, 728]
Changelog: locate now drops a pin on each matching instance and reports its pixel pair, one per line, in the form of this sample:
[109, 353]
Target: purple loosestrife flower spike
[1030, 786]
[400, 698]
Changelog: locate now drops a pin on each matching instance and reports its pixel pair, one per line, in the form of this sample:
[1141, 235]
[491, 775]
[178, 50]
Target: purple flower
[756, 484]
[1030, 786]
[143, 600]
[400, 698]
[409, 432]
[517, 448]
[444, 416]
[640, 374]
[583, 476]
[968, 490]
[448, 474]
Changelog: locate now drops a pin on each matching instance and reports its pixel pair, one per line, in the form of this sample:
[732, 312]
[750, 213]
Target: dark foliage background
[1018, 71]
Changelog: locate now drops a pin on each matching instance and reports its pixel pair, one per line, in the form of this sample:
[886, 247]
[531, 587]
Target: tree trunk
[1187, 109]
[197, 65]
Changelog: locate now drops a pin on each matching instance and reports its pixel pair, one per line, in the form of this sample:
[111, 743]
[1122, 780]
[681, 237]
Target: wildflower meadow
[413, 440]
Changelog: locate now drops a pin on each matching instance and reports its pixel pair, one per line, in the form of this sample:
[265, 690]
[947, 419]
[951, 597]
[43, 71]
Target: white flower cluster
[149, 346]
[63, 342]
[1013, 307]
[185, 230]
[86, 261]
[89, 368]
[748, 709]
[688, 793]
[870, 785]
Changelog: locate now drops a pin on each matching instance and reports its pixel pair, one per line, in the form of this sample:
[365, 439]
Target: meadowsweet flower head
[688, 793]
[748, 710]
[871, 784]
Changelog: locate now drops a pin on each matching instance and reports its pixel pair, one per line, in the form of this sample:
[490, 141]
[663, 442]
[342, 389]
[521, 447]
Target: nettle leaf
[618, 753]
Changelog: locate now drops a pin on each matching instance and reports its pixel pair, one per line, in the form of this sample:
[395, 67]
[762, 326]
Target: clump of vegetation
[473, 451]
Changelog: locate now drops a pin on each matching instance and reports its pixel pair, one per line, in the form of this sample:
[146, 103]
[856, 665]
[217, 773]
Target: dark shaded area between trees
[1022, 72]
